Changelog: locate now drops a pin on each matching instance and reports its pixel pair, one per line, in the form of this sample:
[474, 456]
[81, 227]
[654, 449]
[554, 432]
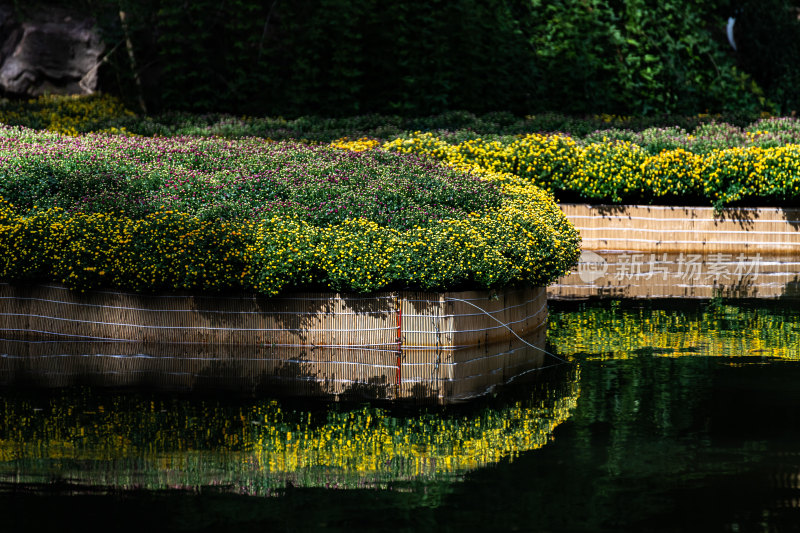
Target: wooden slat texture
[321, 344]
[683, 252]
[687, 229]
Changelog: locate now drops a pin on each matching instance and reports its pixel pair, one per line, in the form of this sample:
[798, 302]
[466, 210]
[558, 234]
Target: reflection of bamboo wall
[685, 252]
[453, 345]
[670, 275]
[687, 229]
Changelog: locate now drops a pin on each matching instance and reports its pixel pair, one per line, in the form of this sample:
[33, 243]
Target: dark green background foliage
[414, 57]
[638, 56]
[768, 40]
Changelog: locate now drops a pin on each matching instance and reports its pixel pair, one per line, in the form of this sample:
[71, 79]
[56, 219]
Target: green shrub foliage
[339, 57]
[768, 41]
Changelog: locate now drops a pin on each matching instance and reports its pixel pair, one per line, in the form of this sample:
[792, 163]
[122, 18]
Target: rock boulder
[55, 53]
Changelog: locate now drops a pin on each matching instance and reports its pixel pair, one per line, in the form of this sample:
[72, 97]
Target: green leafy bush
[339, 58]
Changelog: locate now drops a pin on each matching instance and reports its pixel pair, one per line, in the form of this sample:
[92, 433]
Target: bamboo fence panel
[687, 252]
[388, 345]
[687, 229]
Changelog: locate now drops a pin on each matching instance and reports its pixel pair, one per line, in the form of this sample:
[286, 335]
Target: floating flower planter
[180, 262]
[440, 347]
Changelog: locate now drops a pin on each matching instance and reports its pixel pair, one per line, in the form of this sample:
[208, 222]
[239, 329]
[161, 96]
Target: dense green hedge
[105, 113]
[414, 57]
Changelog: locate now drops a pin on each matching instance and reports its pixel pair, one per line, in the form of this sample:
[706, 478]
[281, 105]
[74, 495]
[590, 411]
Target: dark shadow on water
[656, 444]
[375, 388]
[792, 289]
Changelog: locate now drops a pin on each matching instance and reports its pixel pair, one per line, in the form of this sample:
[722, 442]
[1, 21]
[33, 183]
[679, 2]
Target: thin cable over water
[508, 328]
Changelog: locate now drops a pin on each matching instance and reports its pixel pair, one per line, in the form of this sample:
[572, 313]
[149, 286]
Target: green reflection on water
[135, 441]
[621, 382]
[623, 329]
[672, 416]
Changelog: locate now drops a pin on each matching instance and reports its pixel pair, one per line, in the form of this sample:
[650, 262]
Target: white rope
[741, 221]
[204, 328]
[190, 374]
[429, 380]
[484, 357]
[453, 331]
[508, 328]
[375, 347]
[526, 302]
[301, 330]
[89, 339]
[293, 378]
[93, 340]
[65, 335]
[665, 242]
[309, 346]
[466, 300]
[210, 359]
[199, 311]
[490, 388]
[261, 359]
[317, 299]
[675, 230]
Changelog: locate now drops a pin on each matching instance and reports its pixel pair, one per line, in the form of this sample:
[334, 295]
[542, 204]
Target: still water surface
[668, 416]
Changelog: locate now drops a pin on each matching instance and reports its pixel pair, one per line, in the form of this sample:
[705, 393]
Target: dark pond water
[669, 415]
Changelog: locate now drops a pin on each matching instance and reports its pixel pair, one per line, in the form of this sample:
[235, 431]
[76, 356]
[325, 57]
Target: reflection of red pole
[399, 344]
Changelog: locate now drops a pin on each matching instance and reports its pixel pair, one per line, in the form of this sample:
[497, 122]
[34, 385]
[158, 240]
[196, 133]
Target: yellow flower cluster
[68, 115]
[743, 173]
[608, 169]
[673, 173]
[280, 255]
[619, 171]
[357, 145]
[544, 159]
[261, 445]
[527, 240]
[163, 250]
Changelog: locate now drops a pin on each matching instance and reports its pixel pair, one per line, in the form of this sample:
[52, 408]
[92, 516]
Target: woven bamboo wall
[685, 252]
[687, 229]
[452, 345]
[642, 275]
